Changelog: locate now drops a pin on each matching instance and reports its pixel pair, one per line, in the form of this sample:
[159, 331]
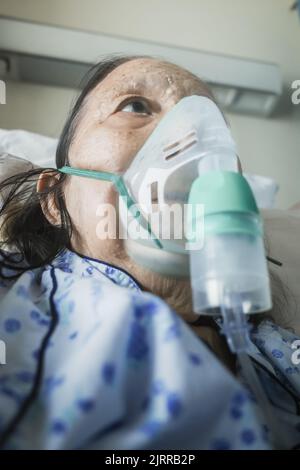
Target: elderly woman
[101, 352]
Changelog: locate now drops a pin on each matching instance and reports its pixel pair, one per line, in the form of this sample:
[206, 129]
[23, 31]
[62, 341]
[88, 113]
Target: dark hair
[24, 227]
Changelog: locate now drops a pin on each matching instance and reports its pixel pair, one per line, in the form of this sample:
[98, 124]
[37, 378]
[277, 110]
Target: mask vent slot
[180, 146]
[154, 195]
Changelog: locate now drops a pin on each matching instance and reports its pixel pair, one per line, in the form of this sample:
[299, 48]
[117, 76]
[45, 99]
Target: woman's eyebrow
[135, 87]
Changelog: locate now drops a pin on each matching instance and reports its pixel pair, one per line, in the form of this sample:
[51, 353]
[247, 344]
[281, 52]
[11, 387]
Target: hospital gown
[93, 362]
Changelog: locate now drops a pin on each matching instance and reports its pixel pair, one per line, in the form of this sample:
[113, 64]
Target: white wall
[258, 29]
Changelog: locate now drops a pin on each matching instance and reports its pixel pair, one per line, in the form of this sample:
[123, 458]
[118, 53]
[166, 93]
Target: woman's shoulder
[66, 264]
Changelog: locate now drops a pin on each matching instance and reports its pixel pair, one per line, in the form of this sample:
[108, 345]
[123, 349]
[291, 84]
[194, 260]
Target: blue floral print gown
[93, 362]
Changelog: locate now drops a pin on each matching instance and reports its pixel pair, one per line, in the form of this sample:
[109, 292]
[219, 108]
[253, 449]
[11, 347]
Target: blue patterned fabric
[96, 363]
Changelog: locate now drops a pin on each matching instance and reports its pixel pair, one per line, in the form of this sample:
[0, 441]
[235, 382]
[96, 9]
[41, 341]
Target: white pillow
[264, 189]
[10, 165]
[38, 149]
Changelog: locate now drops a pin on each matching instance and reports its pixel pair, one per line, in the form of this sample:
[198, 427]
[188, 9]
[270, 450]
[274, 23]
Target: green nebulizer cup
[231, 262]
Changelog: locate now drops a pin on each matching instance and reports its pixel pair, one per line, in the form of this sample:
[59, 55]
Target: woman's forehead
[146, 74]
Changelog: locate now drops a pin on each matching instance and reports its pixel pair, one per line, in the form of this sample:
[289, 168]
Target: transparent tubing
[236, 329]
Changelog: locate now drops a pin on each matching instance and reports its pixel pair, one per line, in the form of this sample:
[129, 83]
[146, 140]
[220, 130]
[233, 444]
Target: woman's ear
[48, 201]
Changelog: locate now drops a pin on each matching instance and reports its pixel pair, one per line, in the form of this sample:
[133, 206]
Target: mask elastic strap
[69, 170]
[118, 182]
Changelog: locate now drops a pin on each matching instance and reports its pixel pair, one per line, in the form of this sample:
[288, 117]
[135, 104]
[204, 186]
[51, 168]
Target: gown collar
[70, 261]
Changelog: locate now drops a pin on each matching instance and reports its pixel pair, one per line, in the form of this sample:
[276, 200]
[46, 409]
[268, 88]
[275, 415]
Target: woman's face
[117, 117]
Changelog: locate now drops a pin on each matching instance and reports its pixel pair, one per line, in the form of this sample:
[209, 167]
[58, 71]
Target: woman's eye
[136, 106]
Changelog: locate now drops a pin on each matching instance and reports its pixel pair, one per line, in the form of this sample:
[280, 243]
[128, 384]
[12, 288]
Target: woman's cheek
[96, 214]
[112, 149]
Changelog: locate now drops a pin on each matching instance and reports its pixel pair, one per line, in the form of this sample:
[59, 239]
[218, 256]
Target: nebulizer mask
[190, 160]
